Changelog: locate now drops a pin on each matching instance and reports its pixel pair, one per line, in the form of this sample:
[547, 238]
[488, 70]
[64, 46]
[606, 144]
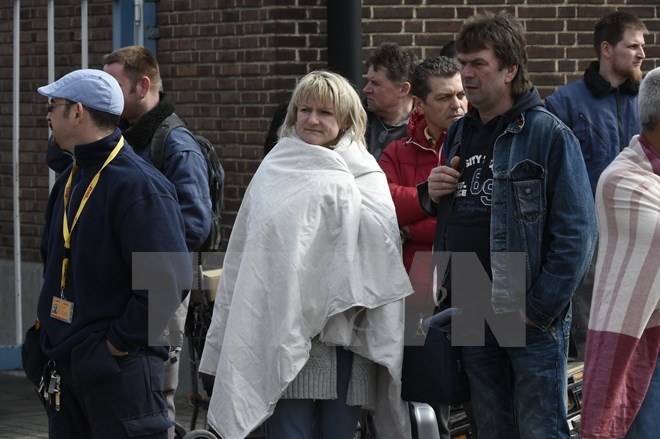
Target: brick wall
[33, 131]
[227, 67]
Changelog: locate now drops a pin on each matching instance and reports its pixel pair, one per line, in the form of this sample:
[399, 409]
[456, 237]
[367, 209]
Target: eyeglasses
[51, 105]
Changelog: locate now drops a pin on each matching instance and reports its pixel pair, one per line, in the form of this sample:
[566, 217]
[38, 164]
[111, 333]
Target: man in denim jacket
[601, 109]
[516, 190]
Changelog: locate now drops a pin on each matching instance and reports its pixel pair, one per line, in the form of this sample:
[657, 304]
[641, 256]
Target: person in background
[621, 389]
[515, 189]
[106, 209]
[449, 50]
[307, 328]
[275, 123]
[146, 107]
[388, 97]
[601, 109]
[439, 100]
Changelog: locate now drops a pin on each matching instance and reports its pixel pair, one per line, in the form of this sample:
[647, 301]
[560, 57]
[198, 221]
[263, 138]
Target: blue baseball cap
[93, 88]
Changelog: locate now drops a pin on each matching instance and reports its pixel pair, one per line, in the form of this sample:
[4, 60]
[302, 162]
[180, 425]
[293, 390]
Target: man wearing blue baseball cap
[104, 376]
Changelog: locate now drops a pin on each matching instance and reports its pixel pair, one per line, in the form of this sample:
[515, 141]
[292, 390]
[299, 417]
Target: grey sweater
[318, 378]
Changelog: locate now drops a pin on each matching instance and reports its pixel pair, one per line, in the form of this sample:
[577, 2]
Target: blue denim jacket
[542, 207]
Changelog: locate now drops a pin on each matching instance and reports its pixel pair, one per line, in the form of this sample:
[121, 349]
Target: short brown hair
[138, 61]
[506, 35]
[398, 62]
[612, 26]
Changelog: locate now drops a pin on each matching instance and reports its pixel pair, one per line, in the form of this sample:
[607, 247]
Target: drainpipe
[84, 35]
[138, 35]
[345, 39]
[16, 189]
[51, 70]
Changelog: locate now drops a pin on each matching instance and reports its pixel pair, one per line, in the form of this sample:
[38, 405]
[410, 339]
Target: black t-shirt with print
[468, 226]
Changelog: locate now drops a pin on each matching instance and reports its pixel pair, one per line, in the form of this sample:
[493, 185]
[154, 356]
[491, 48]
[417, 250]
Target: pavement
[23, 417]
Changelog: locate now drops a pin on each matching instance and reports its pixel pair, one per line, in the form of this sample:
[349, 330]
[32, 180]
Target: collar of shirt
[429, 137]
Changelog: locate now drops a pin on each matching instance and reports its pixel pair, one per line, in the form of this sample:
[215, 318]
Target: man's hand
[113, 350]
[443, 179]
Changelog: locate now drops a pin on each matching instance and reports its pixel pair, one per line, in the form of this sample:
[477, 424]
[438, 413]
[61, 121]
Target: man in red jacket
[439, 100]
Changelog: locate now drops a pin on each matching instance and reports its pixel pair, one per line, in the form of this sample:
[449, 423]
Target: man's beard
[632, 73]
[636, 75]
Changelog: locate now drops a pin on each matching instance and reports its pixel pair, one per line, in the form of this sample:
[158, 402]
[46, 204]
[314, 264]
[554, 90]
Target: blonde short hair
[328, 87]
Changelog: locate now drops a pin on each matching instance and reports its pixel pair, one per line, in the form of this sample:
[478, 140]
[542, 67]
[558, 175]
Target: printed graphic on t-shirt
[475, 187]
[468, 226]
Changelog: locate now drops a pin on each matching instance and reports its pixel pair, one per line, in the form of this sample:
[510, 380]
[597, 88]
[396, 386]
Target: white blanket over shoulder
[316, 235]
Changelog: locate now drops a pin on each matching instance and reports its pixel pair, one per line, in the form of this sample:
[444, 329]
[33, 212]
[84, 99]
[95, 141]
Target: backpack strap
[158, 140]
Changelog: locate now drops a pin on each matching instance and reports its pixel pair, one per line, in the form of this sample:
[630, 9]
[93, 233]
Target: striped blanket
[624, 327]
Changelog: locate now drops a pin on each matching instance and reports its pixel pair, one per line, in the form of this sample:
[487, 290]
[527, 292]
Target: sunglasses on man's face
[51, 105]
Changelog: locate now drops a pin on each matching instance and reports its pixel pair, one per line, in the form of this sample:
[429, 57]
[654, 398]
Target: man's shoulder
[180, 138]
[543, 123]
[135, 172]
[394, 148]
[569, 90]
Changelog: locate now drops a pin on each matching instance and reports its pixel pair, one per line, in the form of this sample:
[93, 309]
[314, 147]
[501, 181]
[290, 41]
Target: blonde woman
[308, 323]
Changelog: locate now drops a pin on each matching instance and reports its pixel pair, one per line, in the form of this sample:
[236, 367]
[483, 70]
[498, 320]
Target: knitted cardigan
[318, 378]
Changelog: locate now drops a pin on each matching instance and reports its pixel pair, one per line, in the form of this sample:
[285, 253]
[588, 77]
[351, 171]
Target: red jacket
[406, 163]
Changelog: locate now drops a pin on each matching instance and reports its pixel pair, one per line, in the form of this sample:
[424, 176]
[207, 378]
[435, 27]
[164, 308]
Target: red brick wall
[33, 132]
[227, 67]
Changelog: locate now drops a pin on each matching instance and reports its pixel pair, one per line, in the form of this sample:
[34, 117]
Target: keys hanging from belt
[49, 389]
[56, 389]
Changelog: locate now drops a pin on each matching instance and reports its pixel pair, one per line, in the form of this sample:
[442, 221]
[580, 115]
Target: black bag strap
[158, 140]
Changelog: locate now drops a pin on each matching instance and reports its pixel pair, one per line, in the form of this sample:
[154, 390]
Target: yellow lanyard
[66, 232]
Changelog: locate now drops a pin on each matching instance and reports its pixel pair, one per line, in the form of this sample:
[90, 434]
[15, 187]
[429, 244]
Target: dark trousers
[127, 404]
[317, 419]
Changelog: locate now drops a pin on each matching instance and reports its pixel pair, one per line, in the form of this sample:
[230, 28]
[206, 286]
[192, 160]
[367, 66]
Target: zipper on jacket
[619, 121]
[411, 141]
[592, 127]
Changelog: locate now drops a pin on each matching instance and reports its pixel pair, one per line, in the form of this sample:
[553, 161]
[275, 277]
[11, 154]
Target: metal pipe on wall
[51, 68]
[84, 35]
[345, 39]
[15, 161]
[138, 35]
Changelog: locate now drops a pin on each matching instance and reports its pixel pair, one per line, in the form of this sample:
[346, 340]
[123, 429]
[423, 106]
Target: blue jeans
[318, 419]
[520, 393]
[645, 425]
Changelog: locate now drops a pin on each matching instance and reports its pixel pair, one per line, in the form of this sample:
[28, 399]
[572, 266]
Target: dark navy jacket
[133, 209]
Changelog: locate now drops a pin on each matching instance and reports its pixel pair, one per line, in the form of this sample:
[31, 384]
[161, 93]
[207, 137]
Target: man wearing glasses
[103, 377]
